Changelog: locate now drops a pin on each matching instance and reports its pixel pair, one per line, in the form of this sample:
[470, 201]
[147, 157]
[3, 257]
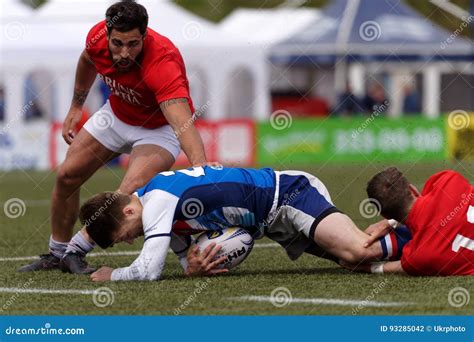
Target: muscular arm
[179, 116]
[85, 76]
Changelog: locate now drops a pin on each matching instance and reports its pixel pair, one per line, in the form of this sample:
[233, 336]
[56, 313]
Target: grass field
[318, 287]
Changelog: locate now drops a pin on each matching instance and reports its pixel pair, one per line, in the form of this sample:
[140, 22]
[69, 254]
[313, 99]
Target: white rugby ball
[236, 245]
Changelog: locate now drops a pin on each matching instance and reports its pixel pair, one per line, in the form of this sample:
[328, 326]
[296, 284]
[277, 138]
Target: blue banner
[237, 328]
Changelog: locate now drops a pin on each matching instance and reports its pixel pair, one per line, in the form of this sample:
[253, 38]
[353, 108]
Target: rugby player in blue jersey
[292, 208]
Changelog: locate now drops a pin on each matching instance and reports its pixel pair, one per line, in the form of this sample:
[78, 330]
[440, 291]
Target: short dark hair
[390, 190]
[125, 16]
[102, 215]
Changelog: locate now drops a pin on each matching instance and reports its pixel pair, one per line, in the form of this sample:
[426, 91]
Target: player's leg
[84, 157]
[154, 151]
[338, 235]
[145, 162]
[306, 214]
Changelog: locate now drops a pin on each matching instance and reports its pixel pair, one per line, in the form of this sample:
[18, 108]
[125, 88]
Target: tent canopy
[368, 29]
[267, 26]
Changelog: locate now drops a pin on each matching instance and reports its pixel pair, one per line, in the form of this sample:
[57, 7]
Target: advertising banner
[304, 141]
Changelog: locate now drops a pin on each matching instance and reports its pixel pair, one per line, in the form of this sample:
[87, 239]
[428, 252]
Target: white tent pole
[432, 91]
[356, 78]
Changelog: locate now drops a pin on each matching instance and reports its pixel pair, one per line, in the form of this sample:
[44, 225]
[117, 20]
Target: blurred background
[274, 82]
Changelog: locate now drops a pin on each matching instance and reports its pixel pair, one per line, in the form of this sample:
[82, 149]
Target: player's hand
[202, 263]
[70, 123]
[213, 164]
[102, 274]
[376, 231]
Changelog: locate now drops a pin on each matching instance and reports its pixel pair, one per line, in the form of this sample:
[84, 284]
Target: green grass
[263, 271]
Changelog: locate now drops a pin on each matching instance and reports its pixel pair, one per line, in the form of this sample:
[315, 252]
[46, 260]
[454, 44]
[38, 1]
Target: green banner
[305, 141]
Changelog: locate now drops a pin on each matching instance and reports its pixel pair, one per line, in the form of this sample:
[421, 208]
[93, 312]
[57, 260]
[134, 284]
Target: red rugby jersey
[442, 225]
[137, 93]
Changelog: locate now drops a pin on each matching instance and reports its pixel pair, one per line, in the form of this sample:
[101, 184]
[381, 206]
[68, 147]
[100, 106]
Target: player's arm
[393, 267]
[85, 76]
[376, 267]
[179, 116]
[379, 229]
[148, 265]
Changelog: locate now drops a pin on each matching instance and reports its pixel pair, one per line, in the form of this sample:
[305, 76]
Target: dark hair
[390, 191]
[102, 215]
[125, 16]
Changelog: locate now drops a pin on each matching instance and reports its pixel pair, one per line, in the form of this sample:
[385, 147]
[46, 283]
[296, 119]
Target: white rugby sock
[57, 248]
[79, 245]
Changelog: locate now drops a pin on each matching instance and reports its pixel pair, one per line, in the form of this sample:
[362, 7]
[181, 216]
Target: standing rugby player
[148, 114]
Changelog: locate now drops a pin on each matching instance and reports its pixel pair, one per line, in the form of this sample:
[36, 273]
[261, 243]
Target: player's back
[234, 196]
[442, 223]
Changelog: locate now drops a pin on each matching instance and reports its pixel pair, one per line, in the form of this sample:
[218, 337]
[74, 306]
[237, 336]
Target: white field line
[123, 253]
[46, 291]
[322, 301]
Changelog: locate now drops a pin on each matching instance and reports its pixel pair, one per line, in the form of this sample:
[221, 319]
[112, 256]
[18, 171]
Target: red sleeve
[167, 80]
[440, 179]
[96, 34]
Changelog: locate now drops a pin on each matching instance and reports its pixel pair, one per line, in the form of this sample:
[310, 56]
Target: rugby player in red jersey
[149, 114]
[441, 220]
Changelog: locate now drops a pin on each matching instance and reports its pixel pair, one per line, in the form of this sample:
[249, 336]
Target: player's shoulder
[159, 48]
[97, 36]
[444, 178]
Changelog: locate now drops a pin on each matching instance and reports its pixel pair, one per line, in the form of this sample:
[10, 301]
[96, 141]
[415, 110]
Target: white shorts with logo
[120, 137]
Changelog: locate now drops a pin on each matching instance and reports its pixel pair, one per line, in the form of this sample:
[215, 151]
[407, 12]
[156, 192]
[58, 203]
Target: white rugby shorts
[120, 137]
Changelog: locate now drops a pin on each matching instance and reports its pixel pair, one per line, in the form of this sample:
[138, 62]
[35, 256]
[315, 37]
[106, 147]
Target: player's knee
[130, 185]
[66, 178]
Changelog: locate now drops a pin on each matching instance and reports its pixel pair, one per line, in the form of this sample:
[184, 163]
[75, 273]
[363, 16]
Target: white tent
[228, 77]
[267, 26]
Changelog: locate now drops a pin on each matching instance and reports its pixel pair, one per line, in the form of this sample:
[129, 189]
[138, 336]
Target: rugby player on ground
[292, 208]
[440, 218]
[146, 114]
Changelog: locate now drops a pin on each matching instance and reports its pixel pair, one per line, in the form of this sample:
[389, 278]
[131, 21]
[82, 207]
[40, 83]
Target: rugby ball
[236, 245]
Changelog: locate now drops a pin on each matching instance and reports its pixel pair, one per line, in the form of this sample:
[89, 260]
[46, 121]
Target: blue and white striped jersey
[206, 198]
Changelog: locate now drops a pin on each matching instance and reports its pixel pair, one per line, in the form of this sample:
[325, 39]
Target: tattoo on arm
[79, 97]
[167, 103]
